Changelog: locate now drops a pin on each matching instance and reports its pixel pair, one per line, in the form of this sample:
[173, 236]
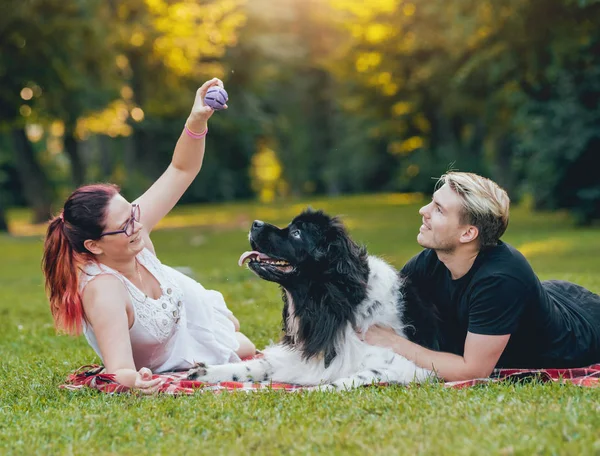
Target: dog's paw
[323, 387]
[199, 370]
[218, 373]
[337, 385]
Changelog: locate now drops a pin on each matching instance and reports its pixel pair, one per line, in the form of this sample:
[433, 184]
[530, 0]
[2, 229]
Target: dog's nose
[258, 224]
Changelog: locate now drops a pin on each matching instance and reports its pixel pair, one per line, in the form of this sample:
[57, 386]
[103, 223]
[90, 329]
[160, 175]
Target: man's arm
[481, 353]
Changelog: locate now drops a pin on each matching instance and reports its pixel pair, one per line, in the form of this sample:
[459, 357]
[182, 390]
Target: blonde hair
[484, 204]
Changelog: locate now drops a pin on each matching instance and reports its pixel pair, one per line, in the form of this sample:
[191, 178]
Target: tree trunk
[505, 175]
[146, 152]
[36, 187]
[106, 160]
[3, 221]
[72, 151]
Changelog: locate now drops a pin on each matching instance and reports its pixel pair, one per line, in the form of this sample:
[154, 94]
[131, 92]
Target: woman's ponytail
[64, 252]
[61, 270]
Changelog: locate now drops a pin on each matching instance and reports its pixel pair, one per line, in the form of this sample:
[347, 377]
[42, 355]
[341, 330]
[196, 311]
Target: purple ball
[216, 98]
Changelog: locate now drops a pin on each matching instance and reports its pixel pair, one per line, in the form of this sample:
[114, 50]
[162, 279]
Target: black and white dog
[331, 289]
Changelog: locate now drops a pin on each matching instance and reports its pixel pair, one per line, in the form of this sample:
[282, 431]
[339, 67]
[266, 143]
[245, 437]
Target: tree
[91, 81]
[48, 72]
[167, 48]
[483, 86]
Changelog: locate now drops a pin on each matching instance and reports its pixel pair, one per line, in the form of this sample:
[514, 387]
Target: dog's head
[321, 269]
[313, 244]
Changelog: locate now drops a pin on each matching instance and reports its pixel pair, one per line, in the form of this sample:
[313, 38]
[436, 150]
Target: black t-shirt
[552, 323]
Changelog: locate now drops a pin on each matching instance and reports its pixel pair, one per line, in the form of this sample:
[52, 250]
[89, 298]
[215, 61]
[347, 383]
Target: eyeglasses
[128, 230]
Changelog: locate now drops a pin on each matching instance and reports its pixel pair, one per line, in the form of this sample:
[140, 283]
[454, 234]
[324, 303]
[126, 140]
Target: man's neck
[458, 262]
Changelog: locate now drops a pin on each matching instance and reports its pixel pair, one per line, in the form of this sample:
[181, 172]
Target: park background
[352, 106]
[327, 97]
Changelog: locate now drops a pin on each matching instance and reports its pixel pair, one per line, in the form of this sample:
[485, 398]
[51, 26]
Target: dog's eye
[295, 234]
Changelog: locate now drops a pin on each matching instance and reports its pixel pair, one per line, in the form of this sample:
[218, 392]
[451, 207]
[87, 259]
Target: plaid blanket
[175, 383]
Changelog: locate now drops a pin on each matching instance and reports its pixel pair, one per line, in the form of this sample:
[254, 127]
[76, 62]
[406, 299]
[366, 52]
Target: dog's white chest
[383, 304]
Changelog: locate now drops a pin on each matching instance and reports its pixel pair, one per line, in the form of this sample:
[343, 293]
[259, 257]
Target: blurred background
[327, 97]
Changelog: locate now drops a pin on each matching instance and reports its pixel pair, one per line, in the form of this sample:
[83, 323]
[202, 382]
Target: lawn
[38, 418]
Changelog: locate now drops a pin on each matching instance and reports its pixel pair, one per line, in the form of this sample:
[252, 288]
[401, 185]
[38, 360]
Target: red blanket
[175, 383]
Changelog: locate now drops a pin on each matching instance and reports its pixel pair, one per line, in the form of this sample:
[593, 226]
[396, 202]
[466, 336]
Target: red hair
[82, 218]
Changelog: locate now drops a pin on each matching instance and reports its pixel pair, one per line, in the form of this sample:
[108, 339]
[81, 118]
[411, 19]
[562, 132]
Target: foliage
[350, 96]
[46, 65]
[507, 88]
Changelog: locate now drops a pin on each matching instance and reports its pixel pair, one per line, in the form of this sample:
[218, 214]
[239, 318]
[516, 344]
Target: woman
[103, 276]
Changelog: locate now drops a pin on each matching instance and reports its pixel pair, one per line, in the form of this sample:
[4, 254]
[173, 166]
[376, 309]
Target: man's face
[441, 229]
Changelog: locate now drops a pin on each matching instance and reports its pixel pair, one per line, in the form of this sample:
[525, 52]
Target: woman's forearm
[189, 152]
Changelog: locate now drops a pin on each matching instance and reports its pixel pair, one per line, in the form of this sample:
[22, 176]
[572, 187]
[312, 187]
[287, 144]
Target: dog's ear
[319, 326]
[347, 256]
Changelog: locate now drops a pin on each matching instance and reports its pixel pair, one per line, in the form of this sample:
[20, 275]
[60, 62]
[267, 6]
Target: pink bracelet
[191, 134]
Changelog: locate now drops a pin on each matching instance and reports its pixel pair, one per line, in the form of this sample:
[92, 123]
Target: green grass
[38, 418]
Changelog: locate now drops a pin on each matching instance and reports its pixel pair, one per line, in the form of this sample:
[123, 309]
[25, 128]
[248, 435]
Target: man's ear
[469, 234]
[93, 247]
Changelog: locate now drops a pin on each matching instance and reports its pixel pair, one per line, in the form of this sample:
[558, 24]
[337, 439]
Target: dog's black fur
[327, 279]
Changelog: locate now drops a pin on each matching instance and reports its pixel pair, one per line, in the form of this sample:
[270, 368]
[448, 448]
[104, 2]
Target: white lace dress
[187, 324]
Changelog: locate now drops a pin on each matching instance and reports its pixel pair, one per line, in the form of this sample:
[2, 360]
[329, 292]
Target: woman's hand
[197, 121]
[144, 382]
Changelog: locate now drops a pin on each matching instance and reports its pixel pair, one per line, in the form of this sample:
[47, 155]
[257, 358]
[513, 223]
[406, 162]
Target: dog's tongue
[252, 253]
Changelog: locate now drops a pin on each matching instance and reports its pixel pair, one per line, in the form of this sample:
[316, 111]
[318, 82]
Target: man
[494, 310]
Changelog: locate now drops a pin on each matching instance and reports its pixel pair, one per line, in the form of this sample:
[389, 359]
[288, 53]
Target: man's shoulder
[425, 258]
[504, 252]
[505, 262]
[423, 263]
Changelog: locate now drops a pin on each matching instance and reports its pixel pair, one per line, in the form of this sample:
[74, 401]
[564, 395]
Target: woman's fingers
[207, 85]
[148, 386]
[201, 92]
[200, 111]
[145, 380]
[145, 373]
[147, 383]
[151, 390]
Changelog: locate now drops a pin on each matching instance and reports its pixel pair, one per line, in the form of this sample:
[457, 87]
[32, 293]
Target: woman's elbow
[246, 348]
[236, 323]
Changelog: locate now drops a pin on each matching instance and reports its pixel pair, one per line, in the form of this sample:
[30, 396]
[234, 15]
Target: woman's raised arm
[162, 196]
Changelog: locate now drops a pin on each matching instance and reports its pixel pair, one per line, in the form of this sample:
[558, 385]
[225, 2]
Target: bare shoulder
[105, 291]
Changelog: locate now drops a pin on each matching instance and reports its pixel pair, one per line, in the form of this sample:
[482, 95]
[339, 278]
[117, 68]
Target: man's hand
[380, 336]
[481, 353]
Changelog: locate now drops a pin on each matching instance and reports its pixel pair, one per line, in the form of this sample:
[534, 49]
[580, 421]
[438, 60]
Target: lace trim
[160, 317]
